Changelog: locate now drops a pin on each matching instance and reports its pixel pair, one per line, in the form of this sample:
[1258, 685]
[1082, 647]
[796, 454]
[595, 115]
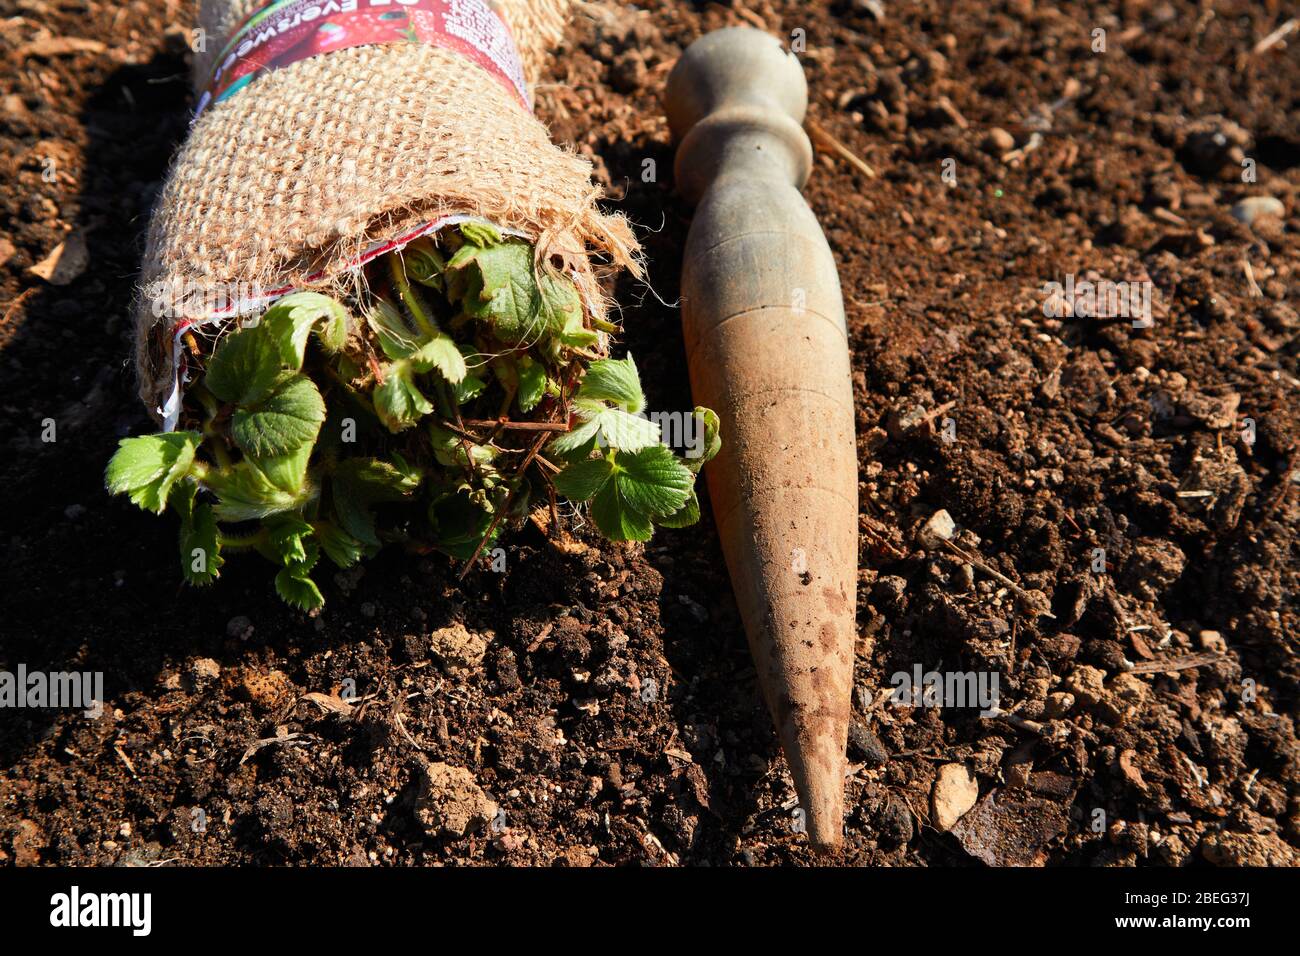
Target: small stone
[867, 745]
[1249, 209]
[873, 7]
[955, 792]
[895, 824]
[901, 422]
[450, 802]
[1087, 684]
[1124, 698]
[458, 648]
[1012, 828]
[204, 671]
[1059, 704]
[574, 856]
[998, 141]
[28, 842]
[66, 261]
[239, 627]
[367, 609]
[1128, 766]
[267, 690]
[1246, 849]
[938, 529]
[73, 512]
[1213, 642]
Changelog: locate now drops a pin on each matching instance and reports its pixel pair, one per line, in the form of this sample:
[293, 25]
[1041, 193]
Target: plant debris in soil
[594, 703]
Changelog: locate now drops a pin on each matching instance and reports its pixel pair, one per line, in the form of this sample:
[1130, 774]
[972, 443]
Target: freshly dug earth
[599, 698]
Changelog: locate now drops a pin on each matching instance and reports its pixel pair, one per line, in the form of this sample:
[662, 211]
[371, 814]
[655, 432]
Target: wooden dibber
[767, 347]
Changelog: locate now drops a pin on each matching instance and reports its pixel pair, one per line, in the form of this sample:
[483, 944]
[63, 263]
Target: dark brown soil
[614, 717]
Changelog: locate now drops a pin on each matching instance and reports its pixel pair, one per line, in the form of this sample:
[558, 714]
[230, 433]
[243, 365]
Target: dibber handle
[763, 323]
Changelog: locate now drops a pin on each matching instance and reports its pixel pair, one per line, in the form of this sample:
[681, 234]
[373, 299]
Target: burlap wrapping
[302, 169]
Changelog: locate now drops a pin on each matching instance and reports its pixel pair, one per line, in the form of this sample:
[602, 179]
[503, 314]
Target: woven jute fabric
[302, 169]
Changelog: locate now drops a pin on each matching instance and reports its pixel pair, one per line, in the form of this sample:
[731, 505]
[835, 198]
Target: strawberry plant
[464, 388]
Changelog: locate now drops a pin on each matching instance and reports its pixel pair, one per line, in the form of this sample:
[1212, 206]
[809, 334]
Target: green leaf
[423, 263]
[708, 418]
[468, 388]
[688, 515]
[290, 321]
[286, 472]
[146, 467]
[616, 519]
[339, 546]
[287, 419]
[440, 353]
[577, 441]
[396, 338]
[459, 524]
[358, 483]
[453, 451]
[480, 233]
[244, 368]
[614, 380]
[532, 384]
[508, 292]
[626, 432]
[562, 306]
[355, 516]
[653, 481]
[378, 480]
[575, 334]
[399, 403]
[581, 480]
[627, 490]
[288, 536]
[509, 297]
[244, 493]
[200, 539]
[298, 590]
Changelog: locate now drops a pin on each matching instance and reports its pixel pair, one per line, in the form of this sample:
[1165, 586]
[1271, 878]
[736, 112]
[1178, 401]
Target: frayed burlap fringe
[301, 170]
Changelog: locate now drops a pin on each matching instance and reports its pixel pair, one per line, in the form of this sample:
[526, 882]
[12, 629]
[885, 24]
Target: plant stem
[411, 299]
[242, 542]
[210, 430]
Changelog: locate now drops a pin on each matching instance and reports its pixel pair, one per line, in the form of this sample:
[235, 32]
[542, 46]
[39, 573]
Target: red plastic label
[287, 31]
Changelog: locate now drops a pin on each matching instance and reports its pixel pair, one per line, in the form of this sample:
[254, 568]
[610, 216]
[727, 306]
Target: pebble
[1213, 641]
[867, 745]
[955, 792]
[873, 7]
[73, 512]
[998, 141]
[450, 802]
[1087, 684]
[239, 627]
[204, 670]
[1249, 209]
[938, 529]
[457, 647]
[1059, 704]
[266, 691]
